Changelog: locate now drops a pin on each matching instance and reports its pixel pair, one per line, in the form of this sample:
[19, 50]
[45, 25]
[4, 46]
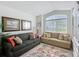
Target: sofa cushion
[30, 41]
[45, 35]
[60, 37]
[31, 36]
[25, 44]
[18, 47]
[23, 36]
[52, 39]
[66, 37]
[48, 35]
[54, 35]
[43, 38]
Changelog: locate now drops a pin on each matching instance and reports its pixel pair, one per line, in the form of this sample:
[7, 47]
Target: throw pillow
[60, 36]
[49, 35]
[45, 35]
[11, 41]
[18, 40]
[66, 37]
[33, 36]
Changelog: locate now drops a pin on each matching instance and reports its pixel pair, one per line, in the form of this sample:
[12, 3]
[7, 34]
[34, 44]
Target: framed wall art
[25, 25]
[10, 24]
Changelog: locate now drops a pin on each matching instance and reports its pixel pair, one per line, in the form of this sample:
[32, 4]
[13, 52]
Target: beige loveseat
[58, 39]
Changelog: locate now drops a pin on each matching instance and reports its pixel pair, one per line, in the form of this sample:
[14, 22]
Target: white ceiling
[38, 7]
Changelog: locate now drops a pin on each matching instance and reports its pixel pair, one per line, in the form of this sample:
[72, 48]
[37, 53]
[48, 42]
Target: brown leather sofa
[58, 39]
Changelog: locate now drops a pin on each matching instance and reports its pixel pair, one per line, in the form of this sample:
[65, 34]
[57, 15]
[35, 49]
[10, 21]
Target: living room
[39, 29]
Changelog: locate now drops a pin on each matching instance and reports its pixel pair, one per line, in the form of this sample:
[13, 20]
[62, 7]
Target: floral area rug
[45, 50]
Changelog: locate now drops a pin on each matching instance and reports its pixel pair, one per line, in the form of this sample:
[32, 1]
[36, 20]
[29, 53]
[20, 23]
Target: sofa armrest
[8, 46]
[7, 49]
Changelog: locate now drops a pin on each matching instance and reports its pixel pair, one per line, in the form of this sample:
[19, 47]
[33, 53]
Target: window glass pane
[56, 23]
[50, 26]
[53, 17]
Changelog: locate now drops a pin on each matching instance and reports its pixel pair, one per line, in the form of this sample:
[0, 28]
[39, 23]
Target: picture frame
[25, 25]
[10, 24]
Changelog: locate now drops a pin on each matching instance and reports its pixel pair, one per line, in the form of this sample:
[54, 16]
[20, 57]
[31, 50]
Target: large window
[56, 23]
